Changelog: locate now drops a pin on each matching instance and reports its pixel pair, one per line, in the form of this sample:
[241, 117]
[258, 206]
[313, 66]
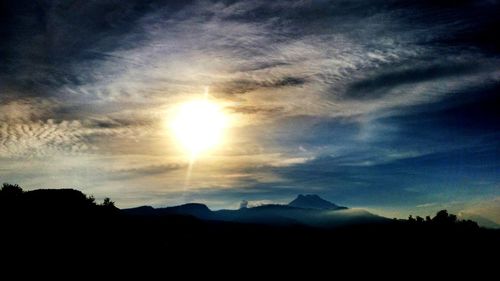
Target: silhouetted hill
[57, 199]
[141, 211]
[192, 209]
[71, 227]
[312, 201]
[328, 216]
[51, 202]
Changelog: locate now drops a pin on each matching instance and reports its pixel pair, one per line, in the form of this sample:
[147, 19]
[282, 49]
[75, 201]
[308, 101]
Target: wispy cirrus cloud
[44, 139]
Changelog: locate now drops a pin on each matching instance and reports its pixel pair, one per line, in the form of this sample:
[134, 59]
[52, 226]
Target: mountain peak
[191, 208]
[313, 201]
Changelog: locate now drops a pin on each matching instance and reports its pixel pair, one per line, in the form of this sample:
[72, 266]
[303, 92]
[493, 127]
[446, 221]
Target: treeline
[72, 226]
[442, 218]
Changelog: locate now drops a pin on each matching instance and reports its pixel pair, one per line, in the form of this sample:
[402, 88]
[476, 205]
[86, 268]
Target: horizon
[308, 210]
[477, 218]
[389, 106]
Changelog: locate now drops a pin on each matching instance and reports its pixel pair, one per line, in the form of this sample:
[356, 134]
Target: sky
[391, 106]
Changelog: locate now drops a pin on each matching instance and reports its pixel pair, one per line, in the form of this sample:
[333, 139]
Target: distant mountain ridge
[72, 226]
[310, 210]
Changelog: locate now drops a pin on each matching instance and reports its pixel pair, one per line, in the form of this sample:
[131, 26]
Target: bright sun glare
[199, 125]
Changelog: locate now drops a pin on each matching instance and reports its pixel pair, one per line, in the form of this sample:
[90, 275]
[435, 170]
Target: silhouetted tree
[441, 217]
[469, 224]
[91, 199]
[10, 195]
[108, 203]
[11, 189]
[452, 218]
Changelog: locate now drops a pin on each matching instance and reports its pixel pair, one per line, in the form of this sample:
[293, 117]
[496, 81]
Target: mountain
[310, 210]
[49, 202]
[289, 215]
[141, 211]
[192, 209]
[69, 226]
[197, 210]
[312, 201]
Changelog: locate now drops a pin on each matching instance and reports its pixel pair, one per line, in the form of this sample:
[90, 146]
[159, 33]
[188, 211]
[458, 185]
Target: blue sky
[385, 105]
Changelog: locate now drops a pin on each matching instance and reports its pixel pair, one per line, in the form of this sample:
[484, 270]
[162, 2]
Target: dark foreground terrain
[65, 226]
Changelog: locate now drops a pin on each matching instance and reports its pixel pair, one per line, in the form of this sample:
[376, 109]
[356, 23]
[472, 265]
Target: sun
[199, 125]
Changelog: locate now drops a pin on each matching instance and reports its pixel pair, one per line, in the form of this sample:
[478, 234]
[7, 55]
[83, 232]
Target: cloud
[21, 110]
[244, 204]
[426, 205]
[382, 83]
[248, 109]
[146, 171]
[244, 86]
[306, 61]
[257, 203]
[326, 94]
[40, 138]
[489, 209]
[44, 138]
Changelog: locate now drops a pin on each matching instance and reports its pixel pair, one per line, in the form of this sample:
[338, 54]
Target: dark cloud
[469, 114]
[261, 66]
[110, 123]
[51, 44]
[245, 86]
[476, 23]
[380, 84]
[47, 43]
[255, 109]
[126, 174]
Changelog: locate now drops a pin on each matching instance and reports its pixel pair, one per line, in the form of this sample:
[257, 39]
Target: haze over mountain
[310, 210]
[482, 221]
